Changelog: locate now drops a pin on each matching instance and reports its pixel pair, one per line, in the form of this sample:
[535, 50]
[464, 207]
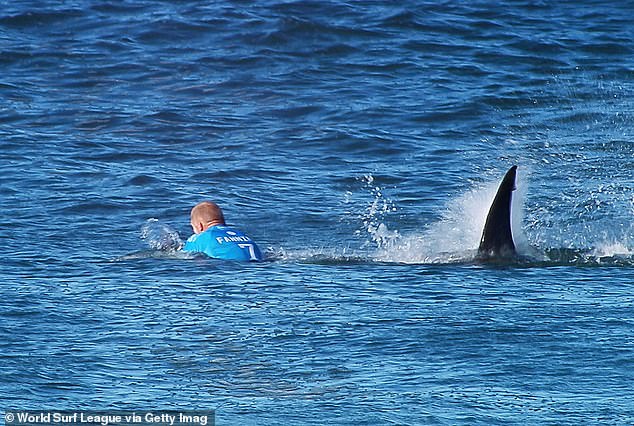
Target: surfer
[213, 237]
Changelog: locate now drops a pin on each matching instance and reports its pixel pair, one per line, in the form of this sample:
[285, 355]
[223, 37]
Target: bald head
[205, 215]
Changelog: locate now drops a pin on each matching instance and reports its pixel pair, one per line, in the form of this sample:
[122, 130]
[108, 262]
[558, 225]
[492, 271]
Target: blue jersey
[224, 242]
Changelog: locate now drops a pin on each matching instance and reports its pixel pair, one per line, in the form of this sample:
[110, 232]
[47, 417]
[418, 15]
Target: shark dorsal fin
[497, 238]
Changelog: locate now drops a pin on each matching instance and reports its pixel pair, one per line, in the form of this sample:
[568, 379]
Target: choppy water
[360, 144]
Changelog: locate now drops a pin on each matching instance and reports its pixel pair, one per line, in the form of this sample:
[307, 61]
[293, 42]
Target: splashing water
[375, 213]
[611, 249]
[160, 236]
[455, 237]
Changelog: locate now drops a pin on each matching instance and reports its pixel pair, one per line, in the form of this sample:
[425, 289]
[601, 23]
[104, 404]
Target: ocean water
[360, 144]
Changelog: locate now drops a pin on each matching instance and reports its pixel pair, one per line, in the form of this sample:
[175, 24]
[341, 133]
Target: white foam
[612, 249]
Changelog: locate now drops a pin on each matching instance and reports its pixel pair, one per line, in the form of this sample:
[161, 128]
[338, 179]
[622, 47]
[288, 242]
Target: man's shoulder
[203, 238]
[225, 230]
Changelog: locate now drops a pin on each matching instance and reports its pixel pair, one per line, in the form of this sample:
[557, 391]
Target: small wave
[319, 256]
[156, 254]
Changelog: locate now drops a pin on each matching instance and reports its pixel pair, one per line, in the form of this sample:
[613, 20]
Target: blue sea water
[360, 144]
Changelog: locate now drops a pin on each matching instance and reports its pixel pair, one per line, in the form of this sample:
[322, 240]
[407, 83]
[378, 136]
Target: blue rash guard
[224, 242]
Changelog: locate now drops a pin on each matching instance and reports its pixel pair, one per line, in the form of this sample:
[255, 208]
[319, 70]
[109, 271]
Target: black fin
[497, 239]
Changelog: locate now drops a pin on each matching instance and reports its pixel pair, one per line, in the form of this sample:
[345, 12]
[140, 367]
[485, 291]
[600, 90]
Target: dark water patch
[166, 116]
[467, 70]
[507, 58]
[8, 117]
[119, 156]
[115, 45]
[313, 8]
[5, 86]
[296, 112]
[541, 47]
[492, 25]
[583, 117]
[404, 19]
[451, 113]
[507, 100]
[241, 173]
[173, 31]
[236, 61]
[10, 57]
[132, 70]
[94, 207]
[39, 18]
[123, 8]
[296, 35]
[337, 50]
[106, 120]
[383, 68]
[607, 48]
[439, 48]
[143, 180]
